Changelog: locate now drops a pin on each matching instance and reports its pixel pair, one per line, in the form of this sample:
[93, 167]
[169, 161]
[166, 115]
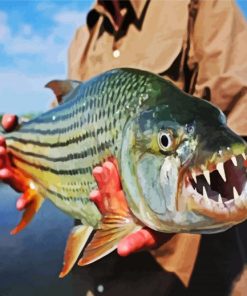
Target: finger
[112, 174]
[135, 242]
[4, 161]
[9, 122]
[3, 155]
[5, 174]
[96, 197]
[140, 240]
[22, 203]
[2, 151]
[24, 200]
[100, 176]
[2, 141]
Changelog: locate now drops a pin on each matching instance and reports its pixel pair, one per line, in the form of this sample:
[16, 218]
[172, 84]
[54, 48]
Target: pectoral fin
[117, 221]
[32, 201]
[106, 239]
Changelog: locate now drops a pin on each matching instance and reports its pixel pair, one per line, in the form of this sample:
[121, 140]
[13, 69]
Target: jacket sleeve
[219, 46]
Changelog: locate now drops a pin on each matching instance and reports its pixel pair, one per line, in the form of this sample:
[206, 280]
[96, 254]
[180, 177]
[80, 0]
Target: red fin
[30, 201]
[117, 221]
[75, 243]
[113, 228]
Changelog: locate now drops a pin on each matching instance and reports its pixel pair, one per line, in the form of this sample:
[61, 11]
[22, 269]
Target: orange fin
[113, 228]
[33, 203]
[75, 243]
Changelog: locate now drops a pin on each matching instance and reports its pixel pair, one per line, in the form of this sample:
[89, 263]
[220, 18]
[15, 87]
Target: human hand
[143, 239]
[8, 174]
[29, 201]
[110, 198]
[9, 123]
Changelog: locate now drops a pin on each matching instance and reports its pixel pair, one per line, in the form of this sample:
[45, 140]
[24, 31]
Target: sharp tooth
[194, 176]
[204, 192]
[234, 160]
[220, 199]
[244, 156]
[207, 176]
[205, 195]
[235, 193]
[221, 170]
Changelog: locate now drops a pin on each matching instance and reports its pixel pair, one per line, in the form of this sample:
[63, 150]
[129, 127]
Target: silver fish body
[157, 133]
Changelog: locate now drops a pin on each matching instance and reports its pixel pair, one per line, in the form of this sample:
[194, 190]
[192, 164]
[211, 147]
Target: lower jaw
[232, 211]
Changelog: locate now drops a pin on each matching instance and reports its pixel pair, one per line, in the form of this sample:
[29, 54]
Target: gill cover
[149, 179]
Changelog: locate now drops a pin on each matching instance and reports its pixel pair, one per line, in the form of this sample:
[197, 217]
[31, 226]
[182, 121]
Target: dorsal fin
[64, 90]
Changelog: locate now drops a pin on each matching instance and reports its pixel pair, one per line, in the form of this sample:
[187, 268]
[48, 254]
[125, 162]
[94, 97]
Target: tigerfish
[181, 168]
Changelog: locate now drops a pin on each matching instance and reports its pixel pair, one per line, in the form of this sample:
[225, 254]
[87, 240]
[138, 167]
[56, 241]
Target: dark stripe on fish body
[96, 104]
[90, 118]
[54, 145]
[68, 157]
[47, 118]
[72, 172]
[79, 155]
[84, 200]
[74, 140]
[57, 131]
[61, 131]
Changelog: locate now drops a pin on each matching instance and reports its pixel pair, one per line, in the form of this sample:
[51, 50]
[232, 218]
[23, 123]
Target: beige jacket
[199, 45]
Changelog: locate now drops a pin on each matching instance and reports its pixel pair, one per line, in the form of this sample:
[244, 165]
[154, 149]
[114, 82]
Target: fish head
[183, 169]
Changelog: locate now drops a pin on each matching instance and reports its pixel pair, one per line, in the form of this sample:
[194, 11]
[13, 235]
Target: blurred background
[34, 38]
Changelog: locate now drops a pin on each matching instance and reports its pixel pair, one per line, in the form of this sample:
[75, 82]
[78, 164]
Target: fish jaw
[161, 189]
[185, 210]
[217, 190]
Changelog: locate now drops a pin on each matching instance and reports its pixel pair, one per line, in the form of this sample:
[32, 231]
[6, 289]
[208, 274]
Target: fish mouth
[218, 190]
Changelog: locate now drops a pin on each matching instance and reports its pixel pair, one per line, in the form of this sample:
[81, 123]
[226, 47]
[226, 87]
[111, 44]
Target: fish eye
[165, 140]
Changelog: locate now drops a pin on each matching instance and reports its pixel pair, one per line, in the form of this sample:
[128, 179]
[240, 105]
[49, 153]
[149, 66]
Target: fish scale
[171, 149]
[69, 141]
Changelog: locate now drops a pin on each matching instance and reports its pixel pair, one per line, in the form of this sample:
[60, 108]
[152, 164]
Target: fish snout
[219, 186]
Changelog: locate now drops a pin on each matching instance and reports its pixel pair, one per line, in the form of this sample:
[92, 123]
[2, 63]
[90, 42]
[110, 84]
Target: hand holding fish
[7, 172]
[15, 179]
[181, 168]
[8, 124]
[110, 197]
